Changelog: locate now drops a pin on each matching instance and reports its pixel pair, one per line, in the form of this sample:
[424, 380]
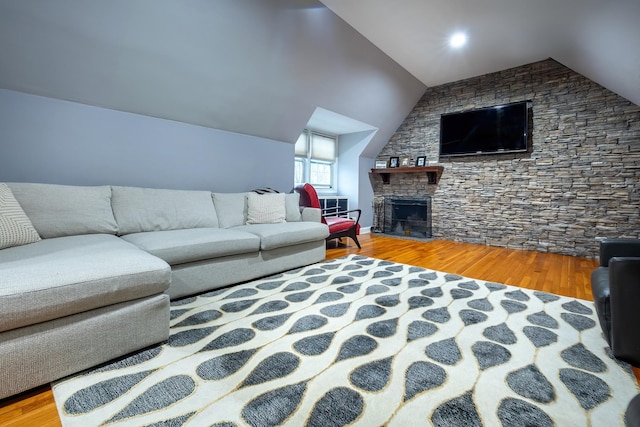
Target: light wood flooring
[558, 274]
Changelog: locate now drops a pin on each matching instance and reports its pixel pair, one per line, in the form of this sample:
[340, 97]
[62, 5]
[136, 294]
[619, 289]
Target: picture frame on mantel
[421, 161]
[405, 162]
[381, 164]
[394, 162]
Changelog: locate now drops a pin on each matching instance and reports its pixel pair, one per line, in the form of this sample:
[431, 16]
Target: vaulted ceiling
[600, 39]
[262, 67]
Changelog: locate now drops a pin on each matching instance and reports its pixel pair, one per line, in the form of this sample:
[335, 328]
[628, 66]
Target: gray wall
[48, 140]
[579, 183]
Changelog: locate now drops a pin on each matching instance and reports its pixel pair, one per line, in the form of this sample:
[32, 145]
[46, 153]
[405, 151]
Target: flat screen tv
[491, 130]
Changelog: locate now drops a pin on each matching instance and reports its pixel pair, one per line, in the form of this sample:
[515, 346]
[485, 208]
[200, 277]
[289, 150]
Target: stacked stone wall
[578, 183]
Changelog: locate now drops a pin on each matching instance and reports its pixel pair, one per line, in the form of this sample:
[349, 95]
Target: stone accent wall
[579, 182]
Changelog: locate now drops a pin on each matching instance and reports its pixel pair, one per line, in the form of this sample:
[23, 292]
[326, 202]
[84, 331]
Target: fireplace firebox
[408, 217]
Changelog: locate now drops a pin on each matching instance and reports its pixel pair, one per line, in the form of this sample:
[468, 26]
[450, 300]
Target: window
[315, 160]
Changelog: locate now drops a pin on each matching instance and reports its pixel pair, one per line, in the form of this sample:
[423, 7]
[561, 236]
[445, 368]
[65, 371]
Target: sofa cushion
[273, 236]
[182, 246]
[15, 227]
[62, 276]
[148, 209]
[231, 208]
[66, 210]
[292, 207]
[266, 208]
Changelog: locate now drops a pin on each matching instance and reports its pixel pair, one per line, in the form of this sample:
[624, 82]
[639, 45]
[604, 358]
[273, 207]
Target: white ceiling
[598, 38]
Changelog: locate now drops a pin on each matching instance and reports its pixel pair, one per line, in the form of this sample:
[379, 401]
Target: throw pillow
[266, 208]
[265, 190]
[15, 227]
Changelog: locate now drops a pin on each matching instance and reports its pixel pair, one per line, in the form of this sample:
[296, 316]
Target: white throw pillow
[15, 226]
[266, 208]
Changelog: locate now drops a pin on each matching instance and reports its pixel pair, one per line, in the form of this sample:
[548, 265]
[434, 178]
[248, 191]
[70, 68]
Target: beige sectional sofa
[95, 278]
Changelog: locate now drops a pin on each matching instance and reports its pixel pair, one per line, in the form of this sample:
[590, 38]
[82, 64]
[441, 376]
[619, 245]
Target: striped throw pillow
[268, 208]
[15, 227]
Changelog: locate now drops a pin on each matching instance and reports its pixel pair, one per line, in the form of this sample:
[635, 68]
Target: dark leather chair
[340, 225]
[616, 293]
[632, 416]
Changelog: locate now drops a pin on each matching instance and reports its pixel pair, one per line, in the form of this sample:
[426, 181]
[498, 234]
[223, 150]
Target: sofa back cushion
[148, 209]
[66, 210]
[231, 208]
[292, 207]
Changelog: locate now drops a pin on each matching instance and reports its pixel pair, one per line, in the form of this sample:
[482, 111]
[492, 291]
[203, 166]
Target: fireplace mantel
[433, 172]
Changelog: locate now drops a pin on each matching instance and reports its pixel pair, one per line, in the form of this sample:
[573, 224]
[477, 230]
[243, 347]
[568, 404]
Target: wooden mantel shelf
[433, 172]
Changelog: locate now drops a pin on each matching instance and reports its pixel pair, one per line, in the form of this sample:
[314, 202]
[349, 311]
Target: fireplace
[408, 217]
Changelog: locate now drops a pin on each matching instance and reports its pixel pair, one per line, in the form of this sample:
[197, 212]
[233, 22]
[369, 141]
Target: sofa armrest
[311, 214]
[610, 248]
[624, 287]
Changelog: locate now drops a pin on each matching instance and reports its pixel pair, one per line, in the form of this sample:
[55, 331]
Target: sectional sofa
[87, 273]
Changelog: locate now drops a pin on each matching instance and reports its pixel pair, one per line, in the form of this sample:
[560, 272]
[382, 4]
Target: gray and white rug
[365, 342]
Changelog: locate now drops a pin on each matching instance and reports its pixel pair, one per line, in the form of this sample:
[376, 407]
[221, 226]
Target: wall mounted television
[491, 130]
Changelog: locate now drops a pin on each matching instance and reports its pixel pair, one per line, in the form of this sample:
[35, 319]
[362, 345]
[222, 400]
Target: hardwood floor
[30, 409]
[558, 274]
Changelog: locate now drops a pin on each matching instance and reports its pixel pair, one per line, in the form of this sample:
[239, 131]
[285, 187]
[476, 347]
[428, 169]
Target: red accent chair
[339, 226]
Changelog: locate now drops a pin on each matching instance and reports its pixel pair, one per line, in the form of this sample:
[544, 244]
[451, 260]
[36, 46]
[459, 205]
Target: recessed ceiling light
[458, 40]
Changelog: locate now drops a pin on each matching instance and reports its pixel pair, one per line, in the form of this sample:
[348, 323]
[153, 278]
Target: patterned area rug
[365, 342]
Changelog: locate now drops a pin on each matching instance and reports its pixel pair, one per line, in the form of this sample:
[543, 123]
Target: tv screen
[498, 129]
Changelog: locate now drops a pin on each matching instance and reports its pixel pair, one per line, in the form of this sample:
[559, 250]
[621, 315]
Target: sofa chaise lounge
[91, 274]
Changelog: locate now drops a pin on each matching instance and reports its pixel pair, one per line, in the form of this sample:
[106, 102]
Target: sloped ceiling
[598, 39]
[262, 67]
[254, 67]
